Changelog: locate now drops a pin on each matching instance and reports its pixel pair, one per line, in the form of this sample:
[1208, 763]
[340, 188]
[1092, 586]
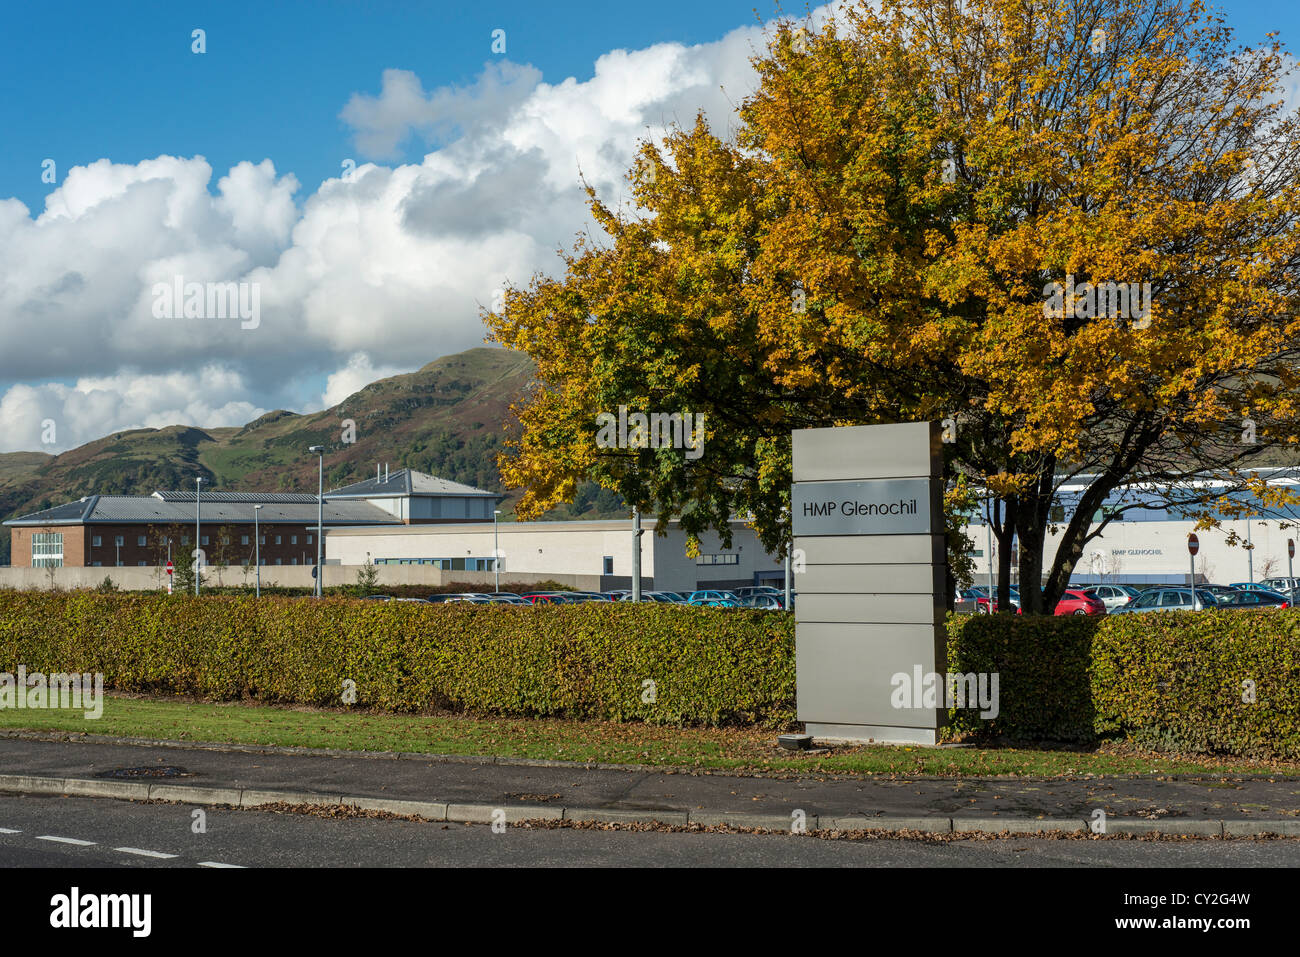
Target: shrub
[708, 666]
[1173, 681]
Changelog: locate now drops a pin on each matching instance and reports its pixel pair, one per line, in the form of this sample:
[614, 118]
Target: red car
[1077, 602]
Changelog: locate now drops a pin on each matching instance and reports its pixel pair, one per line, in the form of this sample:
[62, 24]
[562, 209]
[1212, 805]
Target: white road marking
[142, 852]
[65, 840]
[237, 867]
[9, 830]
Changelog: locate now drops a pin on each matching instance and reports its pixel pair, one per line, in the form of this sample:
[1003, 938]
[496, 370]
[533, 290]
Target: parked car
[763, 601]
[1249, 586]
[1114, 596]
[1167, 599]
[506, 598]
[418, 601]
[378, 598]
[1075, 601]
[1281, 585]
[544, 598]
[1224, 590]
[750, 592]
[982, 602]
[1254, 599]
[714, 598]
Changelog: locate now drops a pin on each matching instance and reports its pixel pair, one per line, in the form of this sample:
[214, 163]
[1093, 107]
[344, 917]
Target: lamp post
[496, 548]
[1250, 555]
[198, 511]
[636, 554]
[320, 511]
[785, 600]
[257, 550]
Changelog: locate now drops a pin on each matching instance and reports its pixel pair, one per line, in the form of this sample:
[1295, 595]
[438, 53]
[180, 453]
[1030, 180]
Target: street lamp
[198, 509]
[496, 547]
[320, 511]
[257, 550]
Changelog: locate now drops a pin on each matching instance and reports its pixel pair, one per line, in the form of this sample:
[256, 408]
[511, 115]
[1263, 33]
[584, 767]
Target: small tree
[367, 579]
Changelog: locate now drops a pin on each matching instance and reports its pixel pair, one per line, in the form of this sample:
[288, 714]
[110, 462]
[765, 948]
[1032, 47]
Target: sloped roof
[257, 498]
[408, 482]
[148, 508]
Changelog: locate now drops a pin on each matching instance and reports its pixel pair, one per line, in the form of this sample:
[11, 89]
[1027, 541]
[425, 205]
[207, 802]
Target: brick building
[147, 530]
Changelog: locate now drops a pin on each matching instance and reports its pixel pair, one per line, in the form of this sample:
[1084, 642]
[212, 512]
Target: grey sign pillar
[867, 520]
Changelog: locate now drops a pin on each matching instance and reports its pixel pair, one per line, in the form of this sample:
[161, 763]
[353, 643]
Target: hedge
[1170, 681]
[594, 660]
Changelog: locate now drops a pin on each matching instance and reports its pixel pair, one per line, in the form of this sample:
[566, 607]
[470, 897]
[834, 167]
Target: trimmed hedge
[1170, 681]
[1173, 681]
[581, 661]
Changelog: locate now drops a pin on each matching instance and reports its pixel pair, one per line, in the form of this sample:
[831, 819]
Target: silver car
[1167, 599]
[1113, 596]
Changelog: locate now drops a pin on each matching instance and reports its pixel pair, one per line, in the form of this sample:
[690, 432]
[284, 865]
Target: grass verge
[729, 749]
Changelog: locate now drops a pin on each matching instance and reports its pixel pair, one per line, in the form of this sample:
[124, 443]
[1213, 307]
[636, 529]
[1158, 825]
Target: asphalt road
[123, 834]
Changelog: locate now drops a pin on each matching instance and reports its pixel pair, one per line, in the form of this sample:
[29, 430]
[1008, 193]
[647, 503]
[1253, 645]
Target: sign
[170, 569]
[1290, 548]
[865, 512]
[1193, 544]
[875, 507]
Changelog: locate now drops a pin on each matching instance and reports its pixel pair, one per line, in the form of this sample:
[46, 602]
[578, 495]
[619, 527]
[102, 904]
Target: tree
[1068, 226]
[367, 580]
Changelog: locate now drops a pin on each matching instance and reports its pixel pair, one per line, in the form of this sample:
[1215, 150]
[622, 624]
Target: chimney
[376, 471]
[385, 473]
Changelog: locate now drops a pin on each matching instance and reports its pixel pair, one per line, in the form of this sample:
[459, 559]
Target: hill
[449, 419]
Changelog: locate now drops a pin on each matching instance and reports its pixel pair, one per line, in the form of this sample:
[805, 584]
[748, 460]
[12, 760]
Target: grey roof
[148, 508]
[262, 498]
[408, 482]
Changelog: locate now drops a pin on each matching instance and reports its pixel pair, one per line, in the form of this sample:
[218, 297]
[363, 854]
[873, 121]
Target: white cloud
[53, 417]
[376, 273]
[352, 378]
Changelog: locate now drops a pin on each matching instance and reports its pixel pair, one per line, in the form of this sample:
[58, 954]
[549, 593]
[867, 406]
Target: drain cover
[150, 771]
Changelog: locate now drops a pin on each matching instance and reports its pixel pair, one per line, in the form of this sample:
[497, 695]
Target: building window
[204, 541]
[277, 540]
[718, 560]
[47, 550]
[293, 539]
[609, 565]
[279, 561]
[142, 564]
[185, 539]
[119, 540]
[96, 541]
[243, 540]
[243, 561]
[141, 540]
[225, 539]
[261, 539]
[96, 564]
[293, 561]
[308, 539]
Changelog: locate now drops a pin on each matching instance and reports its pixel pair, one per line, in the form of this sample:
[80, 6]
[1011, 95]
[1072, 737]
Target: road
[123, 834]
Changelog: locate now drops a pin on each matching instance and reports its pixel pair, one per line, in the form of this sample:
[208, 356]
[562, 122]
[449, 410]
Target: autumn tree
[1068, 226]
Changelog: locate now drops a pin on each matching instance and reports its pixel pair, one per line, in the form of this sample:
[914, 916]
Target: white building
[541, 550]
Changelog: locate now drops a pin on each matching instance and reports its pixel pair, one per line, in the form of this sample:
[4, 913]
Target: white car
[1112, 596]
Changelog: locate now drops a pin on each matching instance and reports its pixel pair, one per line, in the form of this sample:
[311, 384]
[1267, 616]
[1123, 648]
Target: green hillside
[448, 419]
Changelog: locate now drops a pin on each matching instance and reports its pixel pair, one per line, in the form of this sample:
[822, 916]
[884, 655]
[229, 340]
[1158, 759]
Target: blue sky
[172, 167]
[96, 80]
